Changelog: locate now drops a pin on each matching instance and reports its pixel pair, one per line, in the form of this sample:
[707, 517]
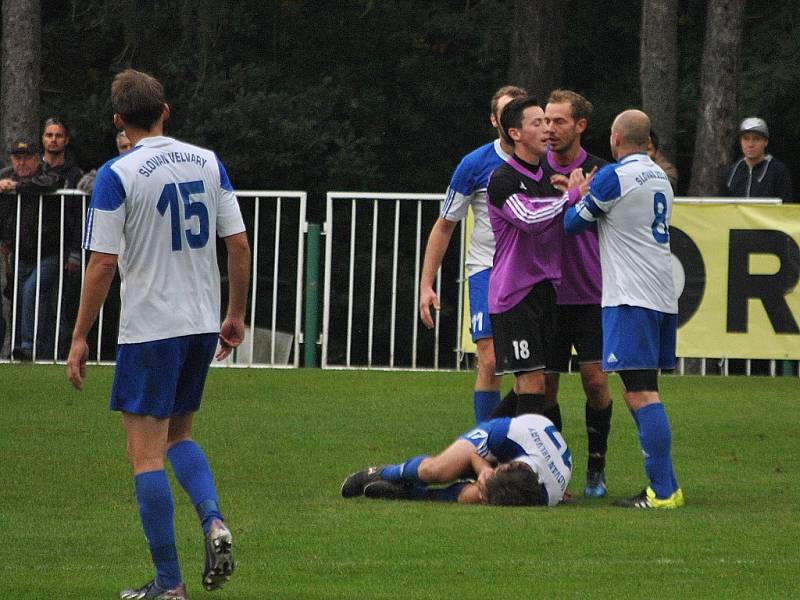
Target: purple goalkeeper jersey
[526, 215]
[581, 278]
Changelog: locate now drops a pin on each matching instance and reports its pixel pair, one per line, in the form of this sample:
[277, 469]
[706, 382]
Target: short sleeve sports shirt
[160, 208]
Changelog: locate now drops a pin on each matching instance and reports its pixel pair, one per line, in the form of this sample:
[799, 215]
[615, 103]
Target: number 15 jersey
[160, 208]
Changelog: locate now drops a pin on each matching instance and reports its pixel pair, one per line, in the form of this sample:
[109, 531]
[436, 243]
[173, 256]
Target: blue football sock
[194, 474]
[445, 494]
[484, 404]
[156, 511]
[405, 472]
[655, 437]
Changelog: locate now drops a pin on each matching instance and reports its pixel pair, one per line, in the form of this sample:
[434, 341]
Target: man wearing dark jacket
[22, 185]
[756, 174]
[58, 157]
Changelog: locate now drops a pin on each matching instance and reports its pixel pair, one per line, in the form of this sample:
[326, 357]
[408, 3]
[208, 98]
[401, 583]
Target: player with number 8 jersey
[631, 202]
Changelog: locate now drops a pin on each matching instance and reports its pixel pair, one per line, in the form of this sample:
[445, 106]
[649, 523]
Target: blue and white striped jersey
[631, 200]
[468, 188]
[532, 439]
[160, 208]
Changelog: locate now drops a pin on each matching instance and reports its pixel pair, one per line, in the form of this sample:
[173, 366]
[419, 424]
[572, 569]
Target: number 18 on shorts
[522, 332]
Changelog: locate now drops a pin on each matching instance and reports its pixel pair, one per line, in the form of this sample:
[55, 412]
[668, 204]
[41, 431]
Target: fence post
[311, 327]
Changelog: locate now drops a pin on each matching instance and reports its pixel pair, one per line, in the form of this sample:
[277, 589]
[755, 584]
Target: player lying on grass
[520, 461]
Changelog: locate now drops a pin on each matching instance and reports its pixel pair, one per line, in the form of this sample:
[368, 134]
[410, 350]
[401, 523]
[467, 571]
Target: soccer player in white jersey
[468, 189]
[631, 201]
[519, 461]
[155, 213]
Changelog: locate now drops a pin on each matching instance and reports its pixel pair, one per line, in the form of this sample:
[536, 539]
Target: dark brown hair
[517, 485]
[512, 91]
[138, 98]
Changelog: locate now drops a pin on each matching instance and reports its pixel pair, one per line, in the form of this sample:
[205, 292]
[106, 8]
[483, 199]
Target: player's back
[168, 200]
[636, 197]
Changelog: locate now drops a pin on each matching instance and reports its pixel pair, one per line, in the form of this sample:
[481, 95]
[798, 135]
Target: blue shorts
[480, 326]
[163, 378]
[638, 338]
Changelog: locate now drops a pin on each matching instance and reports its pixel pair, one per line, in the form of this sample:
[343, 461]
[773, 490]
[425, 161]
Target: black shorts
[522, 334]
[578, 325]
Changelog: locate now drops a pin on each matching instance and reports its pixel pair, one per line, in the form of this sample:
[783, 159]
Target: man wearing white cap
[756, 174]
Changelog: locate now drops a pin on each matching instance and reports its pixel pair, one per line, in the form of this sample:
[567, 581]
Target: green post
[311, 329]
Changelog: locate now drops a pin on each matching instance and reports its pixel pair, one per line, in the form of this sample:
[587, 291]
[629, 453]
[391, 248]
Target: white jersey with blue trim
[532, 439]
[632, 203]
[160, 208]
[468, 188]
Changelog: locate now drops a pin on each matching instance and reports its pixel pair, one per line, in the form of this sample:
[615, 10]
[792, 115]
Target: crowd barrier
[276, 223]
[736, 265]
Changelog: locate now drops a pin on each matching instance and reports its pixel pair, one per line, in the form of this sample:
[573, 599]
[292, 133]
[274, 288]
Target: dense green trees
[379, 95]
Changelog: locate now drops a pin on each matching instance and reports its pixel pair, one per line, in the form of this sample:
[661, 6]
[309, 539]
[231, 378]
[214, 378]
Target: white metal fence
[276, 223]
[374, 247]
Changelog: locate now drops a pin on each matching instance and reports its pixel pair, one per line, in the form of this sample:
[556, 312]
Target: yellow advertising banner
[736, 269]
[467, 345]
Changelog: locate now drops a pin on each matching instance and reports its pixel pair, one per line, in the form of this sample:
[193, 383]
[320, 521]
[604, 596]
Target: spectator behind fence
[86, 183]
[112, 304]
[655, 154]
[756, 174]
[29, 178]
[58, 157]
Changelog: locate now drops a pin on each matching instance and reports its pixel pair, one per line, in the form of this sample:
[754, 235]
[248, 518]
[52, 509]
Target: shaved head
[633, 126]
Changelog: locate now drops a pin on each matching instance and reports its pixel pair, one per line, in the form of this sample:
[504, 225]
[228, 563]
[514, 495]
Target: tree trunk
[658, 69]
[536, 46]
[716, 113]
[21, 71]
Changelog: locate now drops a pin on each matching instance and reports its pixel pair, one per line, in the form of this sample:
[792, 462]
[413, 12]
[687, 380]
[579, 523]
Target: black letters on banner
[688, 254]
[770, 289]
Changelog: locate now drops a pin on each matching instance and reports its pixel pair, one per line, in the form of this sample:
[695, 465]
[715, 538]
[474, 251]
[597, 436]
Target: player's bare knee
[551, 381]
[486, 358]
[597, 394]
[432, 470]
[595, 386]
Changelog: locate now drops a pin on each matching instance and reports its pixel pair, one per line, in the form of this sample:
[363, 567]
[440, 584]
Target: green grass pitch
[281, 442]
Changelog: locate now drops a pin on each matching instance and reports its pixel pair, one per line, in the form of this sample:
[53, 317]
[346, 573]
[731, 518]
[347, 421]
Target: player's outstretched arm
[438, 240]
[231, 332]
[99, 274]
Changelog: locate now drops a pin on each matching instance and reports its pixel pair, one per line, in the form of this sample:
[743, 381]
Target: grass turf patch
[282, 441]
